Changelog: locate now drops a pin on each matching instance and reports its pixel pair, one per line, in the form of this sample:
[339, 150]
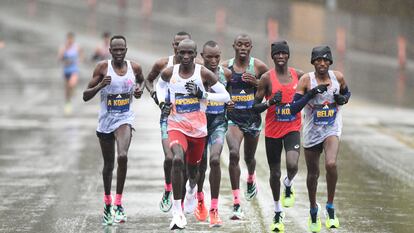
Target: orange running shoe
[201, 211]
[215, 220]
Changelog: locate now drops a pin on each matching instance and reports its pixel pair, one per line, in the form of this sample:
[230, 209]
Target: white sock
[278, 206]
[287, 182]
[177, 206]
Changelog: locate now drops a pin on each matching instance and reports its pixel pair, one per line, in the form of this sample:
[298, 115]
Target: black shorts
[316, 148]
[105, 136]
[248, 121]
[274, 146]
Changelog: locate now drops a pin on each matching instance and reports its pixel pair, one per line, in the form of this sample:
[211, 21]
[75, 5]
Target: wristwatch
[205, 95]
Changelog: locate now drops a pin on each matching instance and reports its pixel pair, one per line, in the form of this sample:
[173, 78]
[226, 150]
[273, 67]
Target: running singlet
[242, 93]
[116, 100]
[70, 58]
[279, 121]
[322, 117]
[188, 112]
[214, 107]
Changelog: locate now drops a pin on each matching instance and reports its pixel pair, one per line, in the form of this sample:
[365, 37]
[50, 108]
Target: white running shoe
[178, 221]
[190, 200]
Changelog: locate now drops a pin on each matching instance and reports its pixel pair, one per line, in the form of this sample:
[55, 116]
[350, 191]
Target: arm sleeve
[299, 102]
[220, 95]
[161, 89]
[260, 107]
[345, 92]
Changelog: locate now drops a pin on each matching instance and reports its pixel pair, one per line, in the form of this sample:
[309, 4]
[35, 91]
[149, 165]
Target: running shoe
[314, 222]
[107, 218]
[166, 203]
[190, 200]
[120, 216]
[251, 191]
[277, 224]
[201, 212]
[215, 220]
[331, 220]
[237, 212]
[288, 197]
[178, 221]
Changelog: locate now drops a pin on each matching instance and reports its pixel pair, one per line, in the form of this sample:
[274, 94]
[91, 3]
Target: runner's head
[118, 48]
[321, 59]
[106, 36]
[242, 46]
[280, 52]
[178, 38]
[211, 55]
[70, 37]
[186, 52]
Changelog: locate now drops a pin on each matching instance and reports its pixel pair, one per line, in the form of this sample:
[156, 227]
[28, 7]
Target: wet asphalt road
[50, 164]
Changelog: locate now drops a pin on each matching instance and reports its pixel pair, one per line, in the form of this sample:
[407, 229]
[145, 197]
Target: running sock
[330, 205]
[278, 206]
[168, 187]
[200, 196]
[251, 178]
[331, 210]
[287, 182]
[177, 207]
[236, 196]
[108, 199]
[118, 199]
[313, 213]
[214, 204]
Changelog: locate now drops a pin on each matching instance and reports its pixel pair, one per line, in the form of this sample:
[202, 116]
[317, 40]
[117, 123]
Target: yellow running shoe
[314, 222]
[331, 220]
[277, 224]
[288, 197]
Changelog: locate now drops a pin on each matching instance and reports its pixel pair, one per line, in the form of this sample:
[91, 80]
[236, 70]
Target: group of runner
[203, 101]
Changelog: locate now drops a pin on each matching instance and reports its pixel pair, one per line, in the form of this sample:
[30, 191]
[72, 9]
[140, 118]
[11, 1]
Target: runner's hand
[138, 92]
[276, 99]
[166, 109]
[105, 81]
[340, 99]
[250, 78]
[230, 105]
[193, 89]
[321, 88]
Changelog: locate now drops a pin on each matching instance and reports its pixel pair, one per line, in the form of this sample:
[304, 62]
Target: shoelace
[236, 208]
[331, 213]
[288, 191]
[277, 217]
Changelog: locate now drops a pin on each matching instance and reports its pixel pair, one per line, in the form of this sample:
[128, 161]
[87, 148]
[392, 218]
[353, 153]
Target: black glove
[276, 99]
[340, 99]
[319, 89]
[165, 109]
[193, 89]
[154, 97]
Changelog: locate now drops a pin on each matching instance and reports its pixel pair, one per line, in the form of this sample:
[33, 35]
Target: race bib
[324, 114]
[214, 107]
[118, 103]
[186, 103]
[242, 98]
[282, 114]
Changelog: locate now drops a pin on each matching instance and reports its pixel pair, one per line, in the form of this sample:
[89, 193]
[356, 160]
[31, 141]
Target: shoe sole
[234, 217]
[165, 210]
[215, 225]
[175, 227]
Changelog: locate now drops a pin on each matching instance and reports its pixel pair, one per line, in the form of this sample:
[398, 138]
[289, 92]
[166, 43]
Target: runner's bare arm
[265, 89]
[139, 79]
[344, 94]
[98, 81]
[153, 74]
